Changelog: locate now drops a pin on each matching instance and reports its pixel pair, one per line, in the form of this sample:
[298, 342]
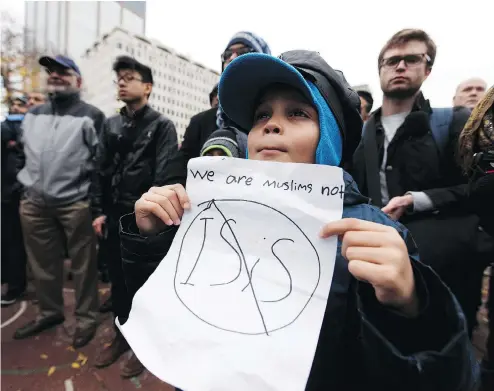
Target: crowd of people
[416, 234]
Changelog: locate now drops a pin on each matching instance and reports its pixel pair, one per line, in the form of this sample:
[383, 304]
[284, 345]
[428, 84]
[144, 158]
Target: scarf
[478, 133]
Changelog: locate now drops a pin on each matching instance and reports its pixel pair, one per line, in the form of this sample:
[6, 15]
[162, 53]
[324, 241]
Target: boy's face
[215, 152]
[285, 127]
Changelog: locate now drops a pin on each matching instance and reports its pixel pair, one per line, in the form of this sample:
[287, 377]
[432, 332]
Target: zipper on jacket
[51, 137]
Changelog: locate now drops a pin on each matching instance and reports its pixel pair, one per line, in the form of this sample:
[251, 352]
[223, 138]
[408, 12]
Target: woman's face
[285, 127]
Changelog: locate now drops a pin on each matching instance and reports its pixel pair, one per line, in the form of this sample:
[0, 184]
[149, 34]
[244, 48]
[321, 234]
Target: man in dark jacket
[59, 140]
[203, 124]
[13, 253]
[407, 167]
[135, 149]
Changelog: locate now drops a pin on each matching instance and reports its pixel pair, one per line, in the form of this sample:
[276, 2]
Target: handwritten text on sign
[268, 183]
[244, 287]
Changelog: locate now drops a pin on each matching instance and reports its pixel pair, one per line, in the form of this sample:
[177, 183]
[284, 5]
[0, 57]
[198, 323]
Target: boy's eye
[261, 115]
[299, 113]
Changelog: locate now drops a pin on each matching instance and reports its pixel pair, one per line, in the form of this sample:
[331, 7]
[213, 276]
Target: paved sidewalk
[48, 363]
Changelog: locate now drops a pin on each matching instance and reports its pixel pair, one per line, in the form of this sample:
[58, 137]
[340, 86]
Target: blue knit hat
[337, 104]
[251, 40]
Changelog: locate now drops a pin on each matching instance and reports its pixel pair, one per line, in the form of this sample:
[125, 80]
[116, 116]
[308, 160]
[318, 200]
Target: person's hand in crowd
[397, 206]
[161, 207]
[98, 224]
[378, 255]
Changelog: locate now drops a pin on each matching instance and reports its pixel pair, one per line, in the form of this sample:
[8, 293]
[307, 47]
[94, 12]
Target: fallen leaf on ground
[51, 370]
[44, 356]
[107, 345]
[70, 349]
[82, 359]
[76, 365]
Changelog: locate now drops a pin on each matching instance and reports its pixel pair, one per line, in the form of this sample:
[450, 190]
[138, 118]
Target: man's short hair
[213, 94]
[368, 98]
[406, 35]
[126, 62]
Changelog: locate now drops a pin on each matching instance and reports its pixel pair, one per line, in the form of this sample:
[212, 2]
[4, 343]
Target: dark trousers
[13, 253]
[490, 317]
[121, 300]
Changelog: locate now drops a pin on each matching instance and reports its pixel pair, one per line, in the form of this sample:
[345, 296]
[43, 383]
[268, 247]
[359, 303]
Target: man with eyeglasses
[406, 164]
[59, 141]
[202, 125]
[135, 149]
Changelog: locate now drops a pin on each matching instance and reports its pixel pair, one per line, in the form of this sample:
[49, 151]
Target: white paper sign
[238, 302]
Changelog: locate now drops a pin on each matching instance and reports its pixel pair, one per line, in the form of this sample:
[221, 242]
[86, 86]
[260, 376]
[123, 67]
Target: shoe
[132, 367]
[111, 353]
[10, 298]
[83, 336]
[107, 306]
[37, 326]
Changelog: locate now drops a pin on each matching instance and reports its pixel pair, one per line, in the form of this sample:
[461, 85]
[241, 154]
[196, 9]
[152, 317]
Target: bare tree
[19, 67]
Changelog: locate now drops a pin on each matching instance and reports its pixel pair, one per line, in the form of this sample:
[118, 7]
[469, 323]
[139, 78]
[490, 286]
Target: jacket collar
[420, 104]
[134, 115]
[64, 99]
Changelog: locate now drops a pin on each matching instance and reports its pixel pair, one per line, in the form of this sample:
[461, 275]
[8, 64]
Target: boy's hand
[378, 255]
[159, 207]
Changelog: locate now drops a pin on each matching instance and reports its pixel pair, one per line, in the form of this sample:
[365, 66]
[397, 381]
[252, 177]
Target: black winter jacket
[362, 345]
[414, 162]
[481, 201]
[133, 155]
[200, 128]
[11, 133]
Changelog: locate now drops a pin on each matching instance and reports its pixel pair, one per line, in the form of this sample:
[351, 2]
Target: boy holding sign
[390, 323]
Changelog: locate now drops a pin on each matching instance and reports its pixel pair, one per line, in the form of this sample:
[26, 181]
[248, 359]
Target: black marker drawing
[244, 280]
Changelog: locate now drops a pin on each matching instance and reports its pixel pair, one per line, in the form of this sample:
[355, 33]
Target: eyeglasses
[126, 78]
[411, 60]
[228, 53]
[60, 71]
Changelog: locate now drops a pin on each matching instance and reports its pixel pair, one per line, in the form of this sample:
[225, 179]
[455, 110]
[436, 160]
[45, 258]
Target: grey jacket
[59, 140]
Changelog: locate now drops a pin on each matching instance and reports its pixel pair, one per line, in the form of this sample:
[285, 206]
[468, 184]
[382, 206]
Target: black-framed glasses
[61, 71]
[228, 53]
[411, 60]
[126, 78]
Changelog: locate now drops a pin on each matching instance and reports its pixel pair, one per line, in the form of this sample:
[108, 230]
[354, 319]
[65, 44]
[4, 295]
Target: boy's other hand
[159, 207]
[378, 255]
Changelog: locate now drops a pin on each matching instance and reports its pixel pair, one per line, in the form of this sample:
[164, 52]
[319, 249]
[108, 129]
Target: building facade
[181, 86]
[70, 27]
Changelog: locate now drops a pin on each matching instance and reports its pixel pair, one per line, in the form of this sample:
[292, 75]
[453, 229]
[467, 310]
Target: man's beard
[401, 93]
[61, 90]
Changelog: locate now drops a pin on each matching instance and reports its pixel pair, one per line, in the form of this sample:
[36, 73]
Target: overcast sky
[347, 33]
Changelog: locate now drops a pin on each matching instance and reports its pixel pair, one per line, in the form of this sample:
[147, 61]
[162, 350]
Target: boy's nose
[272, 127]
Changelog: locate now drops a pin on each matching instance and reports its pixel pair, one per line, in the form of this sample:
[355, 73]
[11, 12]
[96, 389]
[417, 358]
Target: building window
[119, 45]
